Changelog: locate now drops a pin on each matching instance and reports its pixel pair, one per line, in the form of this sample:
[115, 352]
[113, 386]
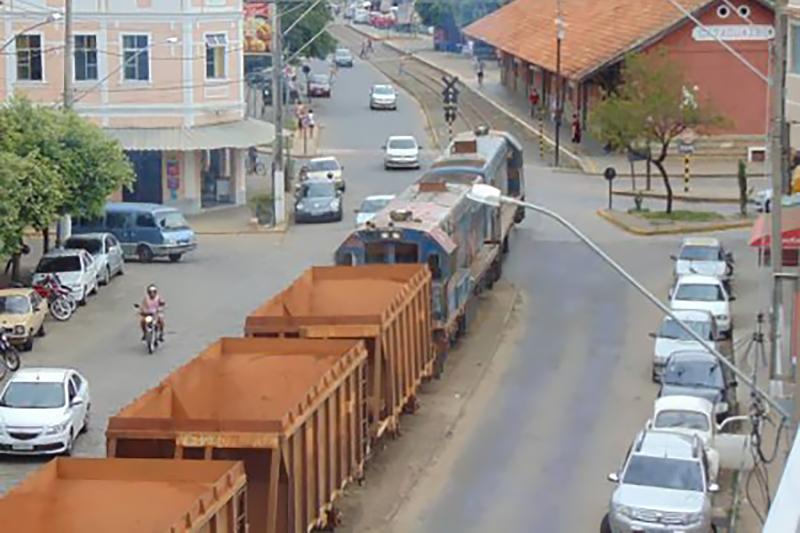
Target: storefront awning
[761, 236]
[239, 134]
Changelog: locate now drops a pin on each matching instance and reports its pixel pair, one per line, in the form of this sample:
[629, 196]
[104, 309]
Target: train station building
[597, 35]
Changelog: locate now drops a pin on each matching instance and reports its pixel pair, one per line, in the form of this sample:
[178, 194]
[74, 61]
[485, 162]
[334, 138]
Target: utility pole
[779, 170]
[64, 225]
[278, 168]
[560, 31]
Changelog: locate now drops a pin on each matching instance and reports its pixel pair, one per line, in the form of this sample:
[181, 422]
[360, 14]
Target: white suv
[706, 293]
[704, 256]
[663, 487]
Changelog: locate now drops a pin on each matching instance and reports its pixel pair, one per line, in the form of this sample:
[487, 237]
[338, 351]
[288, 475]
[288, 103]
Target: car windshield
[319, 78]
[664, 473]
[33, 395]
[382, 90]
[172, 220]
[14, 305]
[373, 205]
[342, 53]
[700, 292]
[320, 190]
[321, 165]
[693, 373]
[670, 329]
[402, 144]
[682, 419]
[700, 253]
[51, 265]
[93, 246]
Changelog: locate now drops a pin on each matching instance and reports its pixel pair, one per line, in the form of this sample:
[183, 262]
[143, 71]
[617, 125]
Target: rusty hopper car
[128, 496]
[434, 222]
[289, 409]
[388, 306]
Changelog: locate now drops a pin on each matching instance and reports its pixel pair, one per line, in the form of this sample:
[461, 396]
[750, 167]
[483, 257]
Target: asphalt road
[211, 291]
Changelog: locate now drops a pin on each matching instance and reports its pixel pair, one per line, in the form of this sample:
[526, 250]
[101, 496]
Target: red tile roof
[597, 31]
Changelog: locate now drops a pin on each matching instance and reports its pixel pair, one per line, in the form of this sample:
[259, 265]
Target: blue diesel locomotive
[434, 222]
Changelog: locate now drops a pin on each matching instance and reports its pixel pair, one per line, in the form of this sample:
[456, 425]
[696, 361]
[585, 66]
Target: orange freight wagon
[128, 496]
[388, 306]
[293, 410]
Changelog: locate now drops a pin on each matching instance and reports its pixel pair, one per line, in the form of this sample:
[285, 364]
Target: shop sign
[734, 32]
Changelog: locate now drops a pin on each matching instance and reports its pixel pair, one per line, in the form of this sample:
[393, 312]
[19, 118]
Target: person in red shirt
[533, 98]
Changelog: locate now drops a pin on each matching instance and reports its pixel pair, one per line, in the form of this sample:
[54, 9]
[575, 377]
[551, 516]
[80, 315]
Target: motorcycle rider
[152, 305]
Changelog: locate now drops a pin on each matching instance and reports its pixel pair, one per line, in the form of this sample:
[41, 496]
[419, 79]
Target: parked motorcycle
[152, 334]
[10, 356]
[59, 297]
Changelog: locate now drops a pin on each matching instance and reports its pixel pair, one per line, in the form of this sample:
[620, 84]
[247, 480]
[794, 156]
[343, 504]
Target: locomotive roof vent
[482, 130]
[465, 146]
[400, 215]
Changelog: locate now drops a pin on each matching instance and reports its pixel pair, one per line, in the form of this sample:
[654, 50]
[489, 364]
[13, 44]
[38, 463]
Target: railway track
[425, 84]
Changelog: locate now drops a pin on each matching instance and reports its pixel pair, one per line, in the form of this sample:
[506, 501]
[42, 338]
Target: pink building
[162, 76]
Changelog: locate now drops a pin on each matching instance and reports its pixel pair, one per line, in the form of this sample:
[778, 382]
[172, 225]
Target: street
[560, 403]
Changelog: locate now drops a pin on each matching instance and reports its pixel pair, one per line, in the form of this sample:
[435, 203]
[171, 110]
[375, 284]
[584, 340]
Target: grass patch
[677, 215]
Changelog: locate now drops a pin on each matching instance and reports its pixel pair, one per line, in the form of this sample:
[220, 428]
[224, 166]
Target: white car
[106, 252]
[43, 410]
[671, 337]
[763, 200]
[361, 16]
[324, 168]
[76, 269]
[401, 151]
[383, 97]
[705, 293]
[705, 256]
[371, 206]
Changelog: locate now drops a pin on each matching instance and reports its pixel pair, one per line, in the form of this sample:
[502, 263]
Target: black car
[318, 201]
[700, 374]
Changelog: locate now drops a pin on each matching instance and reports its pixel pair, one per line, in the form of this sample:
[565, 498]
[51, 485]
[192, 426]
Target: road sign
[685, 147]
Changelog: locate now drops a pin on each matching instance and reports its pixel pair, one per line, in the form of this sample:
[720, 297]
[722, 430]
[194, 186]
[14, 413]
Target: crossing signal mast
[450, 96]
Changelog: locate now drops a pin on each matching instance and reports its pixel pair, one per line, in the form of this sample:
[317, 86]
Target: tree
[307, 29]
[650, 109]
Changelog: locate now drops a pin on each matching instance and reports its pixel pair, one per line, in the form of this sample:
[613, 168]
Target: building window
[29, 57]
[795, 44]
[85, 57]
[137, 57]
[215, 56]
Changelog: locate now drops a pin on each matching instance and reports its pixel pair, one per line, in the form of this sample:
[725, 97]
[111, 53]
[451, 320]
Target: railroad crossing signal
[450, 95]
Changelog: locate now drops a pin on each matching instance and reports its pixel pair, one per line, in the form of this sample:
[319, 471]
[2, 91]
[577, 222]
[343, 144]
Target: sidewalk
[590, 155]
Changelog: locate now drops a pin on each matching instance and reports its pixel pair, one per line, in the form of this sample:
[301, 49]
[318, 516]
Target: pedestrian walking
[310, 121]
[576, 129]
[480, 73]
[400, 66]
[533, 99]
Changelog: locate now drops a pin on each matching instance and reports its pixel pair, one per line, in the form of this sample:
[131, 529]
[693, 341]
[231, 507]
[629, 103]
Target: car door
[111, 254]
[82, 393]
[38, 311]
[75, 411]
[89, 271]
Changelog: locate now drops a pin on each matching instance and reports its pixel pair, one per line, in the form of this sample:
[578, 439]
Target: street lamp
[560, 34]
[53, 17]
[488, 195]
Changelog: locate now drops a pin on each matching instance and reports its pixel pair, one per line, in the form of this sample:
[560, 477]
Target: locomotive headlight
[384, 235]
[396, 235]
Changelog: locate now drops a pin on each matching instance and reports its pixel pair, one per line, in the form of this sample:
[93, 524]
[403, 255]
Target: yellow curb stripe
[681, 197]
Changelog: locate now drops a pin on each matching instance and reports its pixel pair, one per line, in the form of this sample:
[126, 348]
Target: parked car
[700, 374]
[343, 57]
[664, 485]
[43, 410]
[401, 151]
[325, 168]
[361, 16]
[22, 314]
[145, 231]
[763, 200]
[706, 293]
[318, 200]
[319, 85]
[371, 206]
[383, 97]
[75, 269]
[705, 256]
[671, 337]
[106, 251]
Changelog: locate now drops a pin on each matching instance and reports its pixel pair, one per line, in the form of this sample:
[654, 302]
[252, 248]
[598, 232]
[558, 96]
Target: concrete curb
[689, 228]
[252, 230]
[680, 197]
[585, 164]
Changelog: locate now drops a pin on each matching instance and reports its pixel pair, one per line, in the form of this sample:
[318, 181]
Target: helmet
[152, 289]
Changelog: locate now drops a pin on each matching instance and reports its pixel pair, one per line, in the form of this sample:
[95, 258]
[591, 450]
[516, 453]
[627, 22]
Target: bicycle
[255, 166]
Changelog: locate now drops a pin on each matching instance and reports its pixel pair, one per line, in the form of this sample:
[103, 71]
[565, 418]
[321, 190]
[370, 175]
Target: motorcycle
[59, 297]
[10, 355]
[152, 334]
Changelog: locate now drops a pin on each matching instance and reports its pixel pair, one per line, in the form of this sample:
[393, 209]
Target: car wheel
[107, 276]
[121, 271]
[605, 525]
[41, 332]
[145, 254]
[70, 444]
[767, 206]
[94, 287]
[175, 257]
[27, 346]
[87, 418]
[82, 301]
